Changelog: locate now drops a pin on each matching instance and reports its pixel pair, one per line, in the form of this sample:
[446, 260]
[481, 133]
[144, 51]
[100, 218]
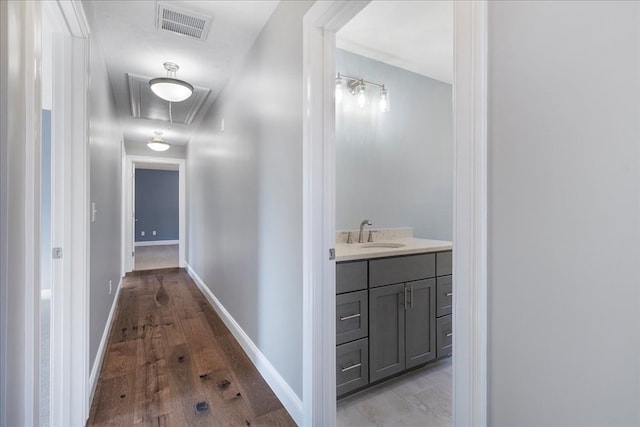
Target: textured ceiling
[134, 45]
[414, 35]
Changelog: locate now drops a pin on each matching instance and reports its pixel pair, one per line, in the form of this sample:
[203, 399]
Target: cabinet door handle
[450, 334]
[411, 296]
[450, 294]
[405, 298]
[348, 368]
[353, 316]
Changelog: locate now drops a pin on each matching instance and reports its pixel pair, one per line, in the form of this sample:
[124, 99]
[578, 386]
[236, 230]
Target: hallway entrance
[153, 213]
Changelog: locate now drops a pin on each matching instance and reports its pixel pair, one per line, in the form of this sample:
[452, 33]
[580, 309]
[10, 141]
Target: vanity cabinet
[401, 327]
[392, 314]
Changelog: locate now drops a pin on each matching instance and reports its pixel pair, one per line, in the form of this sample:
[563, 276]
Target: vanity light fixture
[358, 88]
[157, 143]
[170, 88]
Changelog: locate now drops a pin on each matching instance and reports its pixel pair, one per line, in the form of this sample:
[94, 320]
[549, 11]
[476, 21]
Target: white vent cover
[183, 22]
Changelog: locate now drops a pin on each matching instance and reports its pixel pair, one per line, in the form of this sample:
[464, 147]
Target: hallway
[171, 361]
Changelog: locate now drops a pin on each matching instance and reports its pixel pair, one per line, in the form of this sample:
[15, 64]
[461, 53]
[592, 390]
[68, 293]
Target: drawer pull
[450, 294]
[412, 297]
[450, 334]
[353, 316]
[348, 368]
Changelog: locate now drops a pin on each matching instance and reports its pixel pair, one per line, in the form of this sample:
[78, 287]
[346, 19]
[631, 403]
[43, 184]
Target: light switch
[153, 232]
[93, 211]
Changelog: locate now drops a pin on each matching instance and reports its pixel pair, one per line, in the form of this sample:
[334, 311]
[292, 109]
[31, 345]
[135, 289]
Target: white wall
[105, 161]
[245, 194]
[395, 168]
[564, 212]
[19, 232]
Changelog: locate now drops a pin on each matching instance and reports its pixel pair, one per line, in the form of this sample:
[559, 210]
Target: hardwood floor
[171, 361]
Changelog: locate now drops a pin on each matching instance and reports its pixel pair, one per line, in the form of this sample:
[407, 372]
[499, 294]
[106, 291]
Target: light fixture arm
[354, 82]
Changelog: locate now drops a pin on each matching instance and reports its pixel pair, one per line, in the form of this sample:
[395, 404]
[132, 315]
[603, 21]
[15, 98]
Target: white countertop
[412, 245]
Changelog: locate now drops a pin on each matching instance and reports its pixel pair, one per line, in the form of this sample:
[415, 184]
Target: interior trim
[280, 387]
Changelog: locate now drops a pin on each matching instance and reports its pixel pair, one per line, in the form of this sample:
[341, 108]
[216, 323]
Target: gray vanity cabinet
[392, 314]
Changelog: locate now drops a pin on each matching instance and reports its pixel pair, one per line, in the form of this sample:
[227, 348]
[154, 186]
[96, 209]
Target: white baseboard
[157, 242]
[280, 387]
[102, 348]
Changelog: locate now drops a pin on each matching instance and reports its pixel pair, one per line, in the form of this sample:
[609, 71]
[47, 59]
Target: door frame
[70, 220]
[20, 356]
[128, 205]
[470, 210]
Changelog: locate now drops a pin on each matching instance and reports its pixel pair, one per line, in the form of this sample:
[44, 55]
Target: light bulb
[385, 105]
[339, 90]
[361, 96]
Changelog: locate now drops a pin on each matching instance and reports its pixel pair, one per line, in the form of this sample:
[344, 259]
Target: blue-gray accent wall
[395, 168]
[156, 205]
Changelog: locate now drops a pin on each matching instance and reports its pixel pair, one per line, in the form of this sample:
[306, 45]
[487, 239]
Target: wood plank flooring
[171, 361]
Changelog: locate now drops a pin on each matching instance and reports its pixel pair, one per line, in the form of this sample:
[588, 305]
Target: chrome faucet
[362, 224]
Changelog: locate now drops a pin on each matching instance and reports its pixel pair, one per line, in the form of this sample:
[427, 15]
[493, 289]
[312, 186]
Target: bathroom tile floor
[420, 398]
[156, 257]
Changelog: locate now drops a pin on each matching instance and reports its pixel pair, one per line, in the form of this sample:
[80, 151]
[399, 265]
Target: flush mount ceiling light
[358, 88]
[157, 143]
[170, 88]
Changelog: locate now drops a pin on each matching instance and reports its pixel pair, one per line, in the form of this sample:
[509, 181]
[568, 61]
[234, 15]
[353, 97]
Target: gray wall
[245, 194]
[156, 205]
[564, 212]
[395, 168]
[105, 168]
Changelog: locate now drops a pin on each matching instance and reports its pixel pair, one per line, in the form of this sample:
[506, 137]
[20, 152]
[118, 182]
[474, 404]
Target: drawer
[387, 271]
[352, 366]
[444, 336]
[352, 318]
[351, 276]
[443, 263]
[444, 295]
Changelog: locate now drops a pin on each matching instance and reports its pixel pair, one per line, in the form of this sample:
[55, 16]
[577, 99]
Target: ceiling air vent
[183, 22]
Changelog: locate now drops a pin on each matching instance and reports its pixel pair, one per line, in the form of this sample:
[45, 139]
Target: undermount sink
[382, 245]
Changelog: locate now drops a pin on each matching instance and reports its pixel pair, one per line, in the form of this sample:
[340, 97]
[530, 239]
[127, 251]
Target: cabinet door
[386, 331]
[351, 316]
[444, 296]
[351, 276]
[443, 263]
[420, 322]
[445, 336]
[352, 369]
[391, 270]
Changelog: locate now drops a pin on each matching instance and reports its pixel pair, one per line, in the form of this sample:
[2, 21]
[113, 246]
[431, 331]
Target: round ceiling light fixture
[170, 88]
[157, 143]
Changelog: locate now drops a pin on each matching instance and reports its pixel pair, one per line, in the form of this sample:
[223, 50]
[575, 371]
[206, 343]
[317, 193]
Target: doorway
[394, 167]
[153, 213]
[321, 23]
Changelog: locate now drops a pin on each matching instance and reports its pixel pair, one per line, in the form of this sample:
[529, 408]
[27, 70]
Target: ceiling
[133, 45]
[414, 35]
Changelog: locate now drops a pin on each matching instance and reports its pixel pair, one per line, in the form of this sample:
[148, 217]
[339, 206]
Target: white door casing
[128, 194]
